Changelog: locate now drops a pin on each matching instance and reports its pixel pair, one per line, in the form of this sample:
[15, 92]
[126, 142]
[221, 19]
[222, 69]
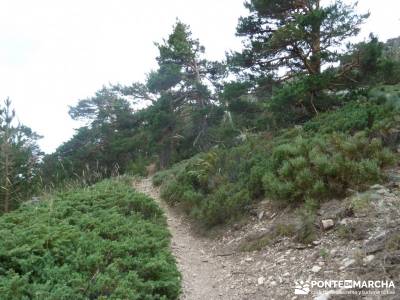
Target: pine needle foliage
[101, 242]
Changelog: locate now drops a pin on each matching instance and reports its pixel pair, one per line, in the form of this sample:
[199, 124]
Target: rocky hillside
[357, 238]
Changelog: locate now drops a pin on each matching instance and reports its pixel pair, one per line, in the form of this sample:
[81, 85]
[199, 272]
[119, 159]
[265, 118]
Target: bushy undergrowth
[372, 112]
[101, 242]
[212, 187]
[323, 166]
[334, 152]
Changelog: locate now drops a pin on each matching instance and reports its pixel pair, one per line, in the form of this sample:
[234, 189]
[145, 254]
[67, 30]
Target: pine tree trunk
[6, 185]
[316, 45]
[202, 103]
[315, 60]
[6, 170]
[165, 155]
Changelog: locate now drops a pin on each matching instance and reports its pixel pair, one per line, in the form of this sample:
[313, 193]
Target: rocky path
[203, 270]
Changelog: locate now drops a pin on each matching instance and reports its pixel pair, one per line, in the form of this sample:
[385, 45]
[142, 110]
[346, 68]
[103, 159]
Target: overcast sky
[54, 52]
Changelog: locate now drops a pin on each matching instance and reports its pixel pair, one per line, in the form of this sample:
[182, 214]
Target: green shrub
[160, 177]
[255, 185]
[307, 231]
[202, 193]
[212, 187]
[224, 205]
[352, 117]
[352, 232]
[137, 167]
[105, 241]
[368, 112]
[164, 176]
[323, 165]
[302, 98]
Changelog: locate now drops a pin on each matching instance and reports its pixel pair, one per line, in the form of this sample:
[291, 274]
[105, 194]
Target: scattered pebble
[316, 269]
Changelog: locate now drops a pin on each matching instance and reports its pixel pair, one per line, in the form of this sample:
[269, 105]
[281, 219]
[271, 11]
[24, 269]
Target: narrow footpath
[204, 271]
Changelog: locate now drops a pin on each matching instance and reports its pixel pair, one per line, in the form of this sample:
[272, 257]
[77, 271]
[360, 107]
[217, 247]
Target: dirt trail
[204, 272]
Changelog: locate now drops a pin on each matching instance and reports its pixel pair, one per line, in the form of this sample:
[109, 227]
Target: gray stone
[368, 259]
[377, 187]
[382, 191]
[347, 262]
[327, 224]
[378, 242]
[33, 201]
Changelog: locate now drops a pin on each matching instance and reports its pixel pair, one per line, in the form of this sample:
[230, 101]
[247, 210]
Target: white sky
[54, 52]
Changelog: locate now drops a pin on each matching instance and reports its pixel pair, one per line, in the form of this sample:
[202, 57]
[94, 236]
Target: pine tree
[7, 117]
[106, 140]
[294, 36]
[19, 159]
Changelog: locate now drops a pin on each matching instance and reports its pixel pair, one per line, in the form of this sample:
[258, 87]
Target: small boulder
[327, 224]
[316, 243]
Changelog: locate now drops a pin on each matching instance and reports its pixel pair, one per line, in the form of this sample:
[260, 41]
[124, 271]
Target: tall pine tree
[19, 160]
[294, 36]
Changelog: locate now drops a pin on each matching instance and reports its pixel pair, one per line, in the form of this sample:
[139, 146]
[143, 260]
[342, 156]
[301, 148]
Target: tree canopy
[294, 36]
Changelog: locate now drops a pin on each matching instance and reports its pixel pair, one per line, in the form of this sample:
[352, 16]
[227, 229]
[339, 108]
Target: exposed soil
[203, 271]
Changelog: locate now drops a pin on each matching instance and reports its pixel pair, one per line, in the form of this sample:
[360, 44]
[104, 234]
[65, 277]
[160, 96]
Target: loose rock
[368, 259]
[347, 262]
[316, 269]
[327, 224]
